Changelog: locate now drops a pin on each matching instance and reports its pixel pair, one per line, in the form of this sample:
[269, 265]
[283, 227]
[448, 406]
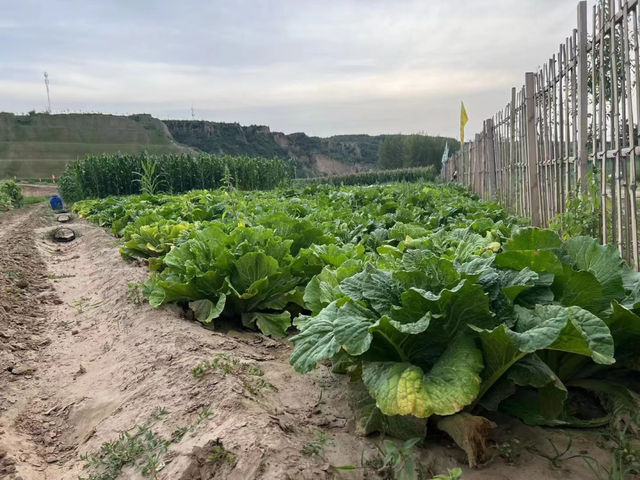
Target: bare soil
[35, 190]
[82, 359]
[327, 165]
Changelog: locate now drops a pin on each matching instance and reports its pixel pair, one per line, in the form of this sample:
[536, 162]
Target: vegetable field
[435, 304]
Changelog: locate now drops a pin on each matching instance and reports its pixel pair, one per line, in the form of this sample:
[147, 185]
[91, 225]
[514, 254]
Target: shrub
[14, 192]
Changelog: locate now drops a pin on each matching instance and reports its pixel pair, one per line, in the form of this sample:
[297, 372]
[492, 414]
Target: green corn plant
[150, 182]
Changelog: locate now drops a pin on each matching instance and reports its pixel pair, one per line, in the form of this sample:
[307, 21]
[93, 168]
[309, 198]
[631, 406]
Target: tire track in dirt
[25, 294]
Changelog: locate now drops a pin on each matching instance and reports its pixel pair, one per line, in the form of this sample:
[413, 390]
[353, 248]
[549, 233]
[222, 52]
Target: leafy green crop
[250, 255]
[434, 302]
[434, 333]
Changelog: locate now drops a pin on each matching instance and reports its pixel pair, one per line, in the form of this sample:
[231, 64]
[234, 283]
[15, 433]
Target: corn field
[120, 174]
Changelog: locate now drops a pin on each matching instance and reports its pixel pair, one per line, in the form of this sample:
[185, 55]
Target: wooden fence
[567, 142]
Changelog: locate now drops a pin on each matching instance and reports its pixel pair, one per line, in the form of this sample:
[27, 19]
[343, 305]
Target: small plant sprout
[400, 459]
[452, 474]
[316, 447]
[134, 293]
[83, 305]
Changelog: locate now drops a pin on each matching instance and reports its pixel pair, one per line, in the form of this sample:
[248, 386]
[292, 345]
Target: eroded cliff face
[311, 154]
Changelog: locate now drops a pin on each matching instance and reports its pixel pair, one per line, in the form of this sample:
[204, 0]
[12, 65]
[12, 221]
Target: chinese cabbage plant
[517, 330]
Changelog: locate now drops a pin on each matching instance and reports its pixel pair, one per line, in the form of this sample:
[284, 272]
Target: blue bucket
[55, 202]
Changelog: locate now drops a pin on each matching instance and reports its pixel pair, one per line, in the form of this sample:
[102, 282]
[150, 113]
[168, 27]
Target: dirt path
[42, 190]
[83, 359]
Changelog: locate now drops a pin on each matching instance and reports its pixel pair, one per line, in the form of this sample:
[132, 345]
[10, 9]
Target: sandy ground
[44, 190]
[81, 360]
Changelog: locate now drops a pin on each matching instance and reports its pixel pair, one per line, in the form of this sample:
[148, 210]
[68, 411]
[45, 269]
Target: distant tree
[392, 152]
[423, 150]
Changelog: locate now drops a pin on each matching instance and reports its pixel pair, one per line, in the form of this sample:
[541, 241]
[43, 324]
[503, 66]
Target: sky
[323, 67]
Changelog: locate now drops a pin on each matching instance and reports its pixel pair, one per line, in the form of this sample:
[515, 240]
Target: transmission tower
[193, 113]
[46, 82]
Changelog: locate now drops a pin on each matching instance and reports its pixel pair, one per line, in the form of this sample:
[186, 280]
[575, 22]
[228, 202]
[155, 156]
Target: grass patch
[34, 200]
[139, 447]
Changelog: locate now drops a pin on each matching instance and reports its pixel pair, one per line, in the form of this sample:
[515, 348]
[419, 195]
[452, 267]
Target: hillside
[313, 155]
[39, 145]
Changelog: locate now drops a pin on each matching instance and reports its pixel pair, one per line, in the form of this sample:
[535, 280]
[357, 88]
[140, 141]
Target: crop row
[124, 174]
[422, 174]
[434, 303]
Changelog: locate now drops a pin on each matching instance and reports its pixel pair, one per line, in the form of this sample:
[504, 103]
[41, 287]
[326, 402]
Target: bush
[13, 191]
[5, 202]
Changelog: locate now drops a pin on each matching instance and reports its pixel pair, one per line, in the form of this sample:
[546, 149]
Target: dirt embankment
[83, 359]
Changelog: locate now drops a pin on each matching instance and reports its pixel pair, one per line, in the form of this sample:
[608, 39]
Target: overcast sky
[324, 67]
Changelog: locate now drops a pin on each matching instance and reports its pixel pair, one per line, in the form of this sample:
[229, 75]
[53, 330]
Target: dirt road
[84, 358]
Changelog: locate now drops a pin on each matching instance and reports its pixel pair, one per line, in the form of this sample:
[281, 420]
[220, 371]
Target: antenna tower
[46, 82]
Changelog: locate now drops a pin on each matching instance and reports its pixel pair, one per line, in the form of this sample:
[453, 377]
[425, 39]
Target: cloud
[321, 66]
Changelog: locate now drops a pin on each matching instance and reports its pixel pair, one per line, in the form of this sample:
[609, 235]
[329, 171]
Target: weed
[509, 451]
[158, 413]
[220, 455]
[400, 460]
[134, 294]
[256, 386]
[83, 305]
[452, 474]
[233, 366]
[559, 457]
[178, 434]
[316, 448]
[140, 447]
[581, 215]
[206, 413]
[55, 276]
[625, 459]
[199, 370]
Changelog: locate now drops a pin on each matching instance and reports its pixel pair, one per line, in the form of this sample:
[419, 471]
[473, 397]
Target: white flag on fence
[445, 156]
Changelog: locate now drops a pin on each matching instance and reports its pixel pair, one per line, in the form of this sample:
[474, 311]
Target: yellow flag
[463, 121]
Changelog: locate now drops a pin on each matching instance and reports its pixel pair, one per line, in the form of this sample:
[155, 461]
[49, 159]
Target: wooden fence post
[478, 159]
[532, 147]
[583, 104]
[512, 152]
[491, 158]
